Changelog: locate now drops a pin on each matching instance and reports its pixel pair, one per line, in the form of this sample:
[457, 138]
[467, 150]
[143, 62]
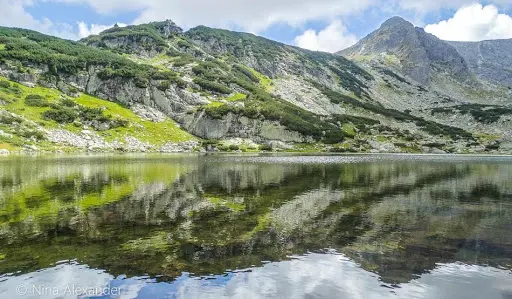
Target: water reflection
[153, 223]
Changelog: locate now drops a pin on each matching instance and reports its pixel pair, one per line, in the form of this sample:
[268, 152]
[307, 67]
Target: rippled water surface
[256, 226]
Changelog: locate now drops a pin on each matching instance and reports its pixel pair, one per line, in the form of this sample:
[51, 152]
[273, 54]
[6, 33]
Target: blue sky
[326, 25]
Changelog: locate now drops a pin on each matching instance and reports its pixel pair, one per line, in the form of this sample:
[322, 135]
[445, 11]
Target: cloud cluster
[474, 23]
[13, 14]
[253, 16]
[332, 38]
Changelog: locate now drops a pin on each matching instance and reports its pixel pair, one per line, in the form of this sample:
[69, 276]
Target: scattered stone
[30, 148]
[279, 145]
[4, 152]
[187, 146]
[148, 113]
[133, 144]
[28, 84]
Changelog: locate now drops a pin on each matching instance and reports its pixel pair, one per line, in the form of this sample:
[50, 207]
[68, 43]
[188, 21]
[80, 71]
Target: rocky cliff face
[417, 52]
[490, 60]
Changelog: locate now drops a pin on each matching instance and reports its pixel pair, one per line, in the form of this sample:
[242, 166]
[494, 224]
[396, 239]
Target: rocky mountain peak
[396, 21]
[168, 28]
[419, 53]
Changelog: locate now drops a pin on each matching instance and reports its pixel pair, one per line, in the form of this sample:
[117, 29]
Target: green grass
[154, 133]
[19, 106]
[233, 98]
[265, 82]
[215, 105]
[487, 137]
[349, 130]
[146, 131]
[236, 97]
[381, 138]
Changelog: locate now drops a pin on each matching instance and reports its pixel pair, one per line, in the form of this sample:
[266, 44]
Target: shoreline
[252, 153]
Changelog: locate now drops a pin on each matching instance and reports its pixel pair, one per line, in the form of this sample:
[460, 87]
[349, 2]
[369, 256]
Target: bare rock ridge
[490, 60]
[419, 53]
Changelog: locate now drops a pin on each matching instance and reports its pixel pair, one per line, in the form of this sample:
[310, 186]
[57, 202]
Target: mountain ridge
[238, 91]
[417, 50]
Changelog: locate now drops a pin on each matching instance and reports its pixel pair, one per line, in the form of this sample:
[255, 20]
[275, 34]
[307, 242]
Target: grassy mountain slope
[33, 117]
[231, 87]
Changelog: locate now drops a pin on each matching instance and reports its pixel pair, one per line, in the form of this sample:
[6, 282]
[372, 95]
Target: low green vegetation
[48, 108]
[36, 100]
[144, 130]
[244, 71]
[183, 60]
[260, 103]
[63, 56]
[428, 126]
[146, 35]
[212, 86]
[392, 74]
[237, 42]
[487, 114]
[236, 97]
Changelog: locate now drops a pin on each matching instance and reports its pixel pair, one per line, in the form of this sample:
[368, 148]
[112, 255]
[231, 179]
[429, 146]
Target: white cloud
[13, 14]
[425, 6]
[474, 23]
[249, 15]
[246, 15]
[84, 30]
[332, 38]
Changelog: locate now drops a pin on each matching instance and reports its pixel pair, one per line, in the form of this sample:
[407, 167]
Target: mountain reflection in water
[283, 226]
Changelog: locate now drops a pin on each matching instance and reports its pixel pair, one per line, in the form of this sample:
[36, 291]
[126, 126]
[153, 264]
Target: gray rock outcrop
[417, 51]
[490, 60]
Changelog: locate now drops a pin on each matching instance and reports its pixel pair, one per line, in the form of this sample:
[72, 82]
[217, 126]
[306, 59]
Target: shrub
[73, 89]
[33, 134]
[179, 82]
[212, 86]
[92, 114]
[163, 86]
[35, 100]
[173, 52]
[62, 115]
[265, 147]
[141, 82]
[66, 102]
[247, 73]
[183, 60]
[5, 84]
[8, 119]
[184, 44]
[234, 147]
[119, 123]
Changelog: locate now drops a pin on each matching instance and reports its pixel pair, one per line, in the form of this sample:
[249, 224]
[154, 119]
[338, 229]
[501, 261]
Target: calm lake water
[256, 226]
